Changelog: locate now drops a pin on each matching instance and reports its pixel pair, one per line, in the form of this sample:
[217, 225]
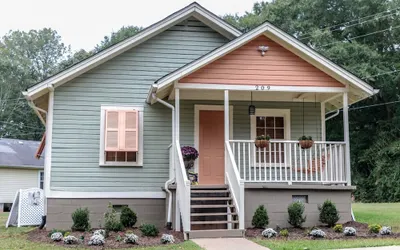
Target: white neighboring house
[19, 169]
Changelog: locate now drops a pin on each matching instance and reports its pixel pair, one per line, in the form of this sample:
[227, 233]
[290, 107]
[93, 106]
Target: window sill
[120, 164]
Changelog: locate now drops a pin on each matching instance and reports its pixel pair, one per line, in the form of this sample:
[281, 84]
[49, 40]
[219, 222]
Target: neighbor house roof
[194, 9]
[357, 87]
[16, 153]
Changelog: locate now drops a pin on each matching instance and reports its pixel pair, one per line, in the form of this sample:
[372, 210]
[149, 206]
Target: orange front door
[211, 147]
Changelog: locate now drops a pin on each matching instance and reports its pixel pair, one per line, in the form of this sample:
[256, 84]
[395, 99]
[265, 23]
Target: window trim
[271, 112]
[40, 171]
[139, 154]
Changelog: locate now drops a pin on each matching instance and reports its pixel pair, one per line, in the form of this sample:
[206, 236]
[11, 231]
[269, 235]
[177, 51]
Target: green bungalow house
[116, 122]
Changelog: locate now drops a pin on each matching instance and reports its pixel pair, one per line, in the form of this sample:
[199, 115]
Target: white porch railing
[182, 188]
[235, 183]
[286, 161]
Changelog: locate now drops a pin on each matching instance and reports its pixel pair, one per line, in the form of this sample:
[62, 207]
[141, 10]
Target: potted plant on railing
[262, 141]
[306, 142]
[189, 154]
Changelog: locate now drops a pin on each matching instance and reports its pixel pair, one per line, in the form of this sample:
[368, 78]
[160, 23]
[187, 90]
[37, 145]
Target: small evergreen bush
[260, 217]
[112, 222]
[374, 228]
[80, 218]
[128, 217]
[296, 210]
[149, 230]
[338, 228]
[284, 233]
[328, 213]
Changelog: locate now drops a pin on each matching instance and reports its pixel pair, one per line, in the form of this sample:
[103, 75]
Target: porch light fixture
[263, 49]
[252, 108]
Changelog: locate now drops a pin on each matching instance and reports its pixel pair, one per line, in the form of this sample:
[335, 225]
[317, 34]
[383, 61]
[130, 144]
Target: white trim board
[197, 109]
[193, 9]
[271, 112]
[106, 195]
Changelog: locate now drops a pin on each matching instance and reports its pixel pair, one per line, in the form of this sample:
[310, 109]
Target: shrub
[269, 233]
[149, 230]
[317, 233]
[131, 239]
[328, 213]
[167, 238]
[385, 231]
[80, 218]
[374, 228]
[63, 232]
[284, 233]
[112, 222]
[128, 217]
[349, 231]
[57, 236]
[66, 234]
[69, 240]
[338, 228]
[260, 217]
[296, 210]
[96, 240]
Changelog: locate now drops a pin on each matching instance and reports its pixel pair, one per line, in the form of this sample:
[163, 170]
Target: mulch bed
[42, 236]
[301, 233]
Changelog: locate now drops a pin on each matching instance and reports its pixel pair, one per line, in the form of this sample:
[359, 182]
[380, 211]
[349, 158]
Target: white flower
[96, 240]
[57, 236]
[167, 238]
[385, 230]
[269, 233]
[100, 232]
[318, 233]
[349, 231]
[131, 238]
[71, 240]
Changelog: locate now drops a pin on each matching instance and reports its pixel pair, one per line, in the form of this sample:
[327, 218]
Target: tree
[25, 58]
[116, 37]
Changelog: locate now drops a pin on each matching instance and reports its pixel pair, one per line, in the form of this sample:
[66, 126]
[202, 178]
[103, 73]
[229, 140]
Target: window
[41, 179]
[276, 124]
[121, 136]
[300, 198]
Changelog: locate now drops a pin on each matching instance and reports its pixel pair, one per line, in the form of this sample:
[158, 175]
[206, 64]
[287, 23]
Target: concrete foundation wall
[277, 200]
[147, 210]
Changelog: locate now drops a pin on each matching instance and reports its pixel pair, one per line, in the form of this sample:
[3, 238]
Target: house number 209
[262, 87]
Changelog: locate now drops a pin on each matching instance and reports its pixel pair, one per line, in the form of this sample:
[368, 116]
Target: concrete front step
[216, 233]
[196, 187]
[209, 191]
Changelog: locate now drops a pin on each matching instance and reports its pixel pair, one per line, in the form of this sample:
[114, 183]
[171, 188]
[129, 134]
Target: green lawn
[15, 238]
[385, 214]
[381, 213]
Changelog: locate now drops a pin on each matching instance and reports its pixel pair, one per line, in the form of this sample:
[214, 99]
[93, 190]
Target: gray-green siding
[125, 79]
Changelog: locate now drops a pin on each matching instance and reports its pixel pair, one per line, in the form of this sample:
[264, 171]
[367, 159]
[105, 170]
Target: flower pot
[261, 143]
[305, 144]
[189, 163]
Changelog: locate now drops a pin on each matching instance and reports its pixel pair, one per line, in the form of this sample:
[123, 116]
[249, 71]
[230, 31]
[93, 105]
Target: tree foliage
[362, 36]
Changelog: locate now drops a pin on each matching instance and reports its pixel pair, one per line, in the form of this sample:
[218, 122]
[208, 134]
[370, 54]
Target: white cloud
[84, 23]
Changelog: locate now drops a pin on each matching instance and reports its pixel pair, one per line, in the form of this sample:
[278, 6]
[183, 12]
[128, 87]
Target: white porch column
[177, 117]
[346, 137]
[323, 123]
[226, 114]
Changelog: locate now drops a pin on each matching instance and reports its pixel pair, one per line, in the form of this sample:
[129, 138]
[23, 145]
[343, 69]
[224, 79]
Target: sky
[82, 24]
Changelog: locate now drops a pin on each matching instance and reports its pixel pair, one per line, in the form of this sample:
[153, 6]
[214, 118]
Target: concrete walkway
[375, 248]
[228, 244]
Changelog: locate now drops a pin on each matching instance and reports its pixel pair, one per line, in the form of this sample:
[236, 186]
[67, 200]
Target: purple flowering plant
[189, 153]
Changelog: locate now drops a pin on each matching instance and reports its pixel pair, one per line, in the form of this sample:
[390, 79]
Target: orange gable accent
[246, 66]
[40, 149]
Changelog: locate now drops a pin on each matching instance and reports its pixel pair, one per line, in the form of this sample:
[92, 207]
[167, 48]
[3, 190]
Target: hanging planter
[262, 141]
[306, 142]
[189, 154]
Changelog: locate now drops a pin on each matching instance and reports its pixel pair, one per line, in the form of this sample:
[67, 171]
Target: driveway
[228, 244]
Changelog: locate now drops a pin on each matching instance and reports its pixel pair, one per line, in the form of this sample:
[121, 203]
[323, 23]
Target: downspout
[172, 177]
[335, 114]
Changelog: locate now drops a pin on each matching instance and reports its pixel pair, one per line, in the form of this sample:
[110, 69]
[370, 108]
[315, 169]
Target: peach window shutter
[129, 136]
[111, 130]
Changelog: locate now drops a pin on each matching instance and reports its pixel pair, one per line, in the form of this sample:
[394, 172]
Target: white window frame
[275, 113]
[139, 153]
[40, 171]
